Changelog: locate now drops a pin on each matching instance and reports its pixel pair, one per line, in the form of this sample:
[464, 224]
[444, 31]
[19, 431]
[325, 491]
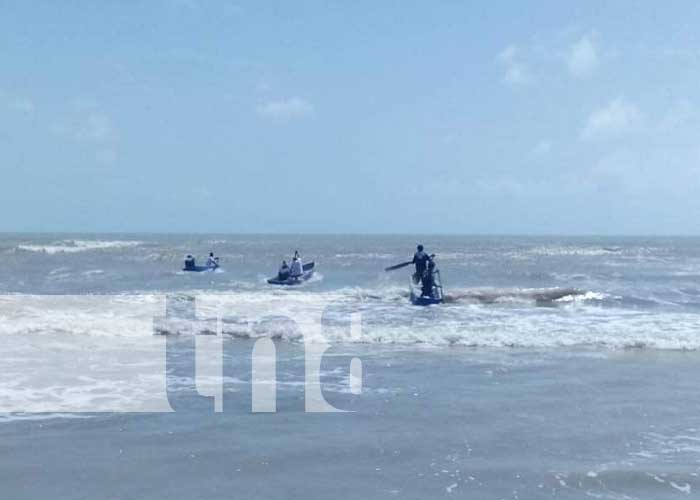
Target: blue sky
[417, 117]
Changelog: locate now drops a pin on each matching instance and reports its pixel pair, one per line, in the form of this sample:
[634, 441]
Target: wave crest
[74, 246]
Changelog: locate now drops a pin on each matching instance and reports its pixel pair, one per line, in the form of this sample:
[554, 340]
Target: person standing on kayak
[420, 260]
[297, 268]
[428, 280]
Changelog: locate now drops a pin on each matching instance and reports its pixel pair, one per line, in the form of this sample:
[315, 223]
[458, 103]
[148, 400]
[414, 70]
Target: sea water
[558, 367]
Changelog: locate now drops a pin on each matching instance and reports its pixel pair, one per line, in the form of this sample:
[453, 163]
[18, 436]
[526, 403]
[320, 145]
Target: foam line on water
[387, 318]
[75, 246]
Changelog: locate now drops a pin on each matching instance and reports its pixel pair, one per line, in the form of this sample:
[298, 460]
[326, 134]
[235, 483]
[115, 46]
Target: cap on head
[420, 248]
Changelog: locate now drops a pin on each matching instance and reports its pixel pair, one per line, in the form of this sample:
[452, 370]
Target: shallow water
[429, 423]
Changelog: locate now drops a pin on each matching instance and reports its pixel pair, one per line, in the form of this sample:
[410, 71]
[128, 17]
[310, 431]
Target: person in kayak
[420, 260]
[428, 280]
[297, 268]
[189, 262]
[283, 273]
[212, 261]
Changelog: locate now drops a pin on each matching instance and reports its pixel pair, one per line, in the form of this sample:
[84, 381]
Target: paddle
[399, 266]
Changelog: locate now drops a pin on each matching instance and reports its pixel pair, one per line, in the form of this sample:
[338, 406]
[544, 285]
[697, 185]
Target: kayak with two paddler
[308, 271]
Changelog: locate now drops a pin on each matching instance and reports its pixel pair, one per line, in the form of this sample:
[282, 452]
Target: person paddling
[297, 268]
[283, 273]
[212, 261]
[427, 290]
[189, 262]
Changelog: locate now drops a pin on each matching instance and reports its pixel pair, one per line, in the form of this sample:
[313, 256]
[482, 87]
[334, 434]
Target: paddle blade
[398, 266]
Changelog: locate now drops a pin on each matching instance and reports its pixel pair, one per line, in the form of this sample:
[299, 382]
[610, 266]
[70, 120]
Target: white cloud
[87, 125]
[187, 4]
[620, 170]
[286, 109]
[582, 58]
[532, 187]
[23, 105]
[542, 148]
[17, 103]
[263, 86]
[106, 156]
[542, 56]
[618, 118]
[231, 9]
[678, 115]
[96, 127]
[516, 71]
[661, 158]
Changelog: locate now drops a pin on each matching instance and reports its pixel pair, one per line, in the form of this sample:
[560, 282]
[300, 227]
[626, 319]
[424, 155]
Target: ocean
[558, 367]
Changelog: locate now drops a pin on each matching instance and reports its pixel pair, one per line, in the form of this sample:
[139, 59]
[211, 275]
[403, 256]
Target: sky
[350, 117]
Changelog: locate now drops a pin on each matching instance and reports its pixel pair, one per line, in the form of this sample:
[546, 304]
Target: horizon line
[372, 233]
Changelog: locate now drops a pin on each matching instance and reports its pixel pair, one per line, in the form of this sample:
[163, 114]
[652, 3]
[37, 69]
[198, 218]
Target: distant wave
[74, 246]
[500, 295]
[24, 417]
[574, 250]
[365, 255]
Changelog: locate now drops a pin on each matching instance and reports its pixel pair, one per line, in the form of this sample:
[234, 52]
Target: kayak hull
[424, 301]
[296, 280]
[199, 269]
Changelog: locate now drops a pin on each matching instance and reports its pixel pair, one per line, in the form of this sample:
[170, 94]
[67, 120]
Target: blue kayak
[424, 301]
[295, 280]
[199, 269]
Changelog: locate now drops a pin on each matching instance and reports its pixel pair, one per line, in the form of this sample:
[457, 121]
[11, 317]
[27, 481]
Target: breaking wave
[527, 295]
[74, 246]
[472, 318]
